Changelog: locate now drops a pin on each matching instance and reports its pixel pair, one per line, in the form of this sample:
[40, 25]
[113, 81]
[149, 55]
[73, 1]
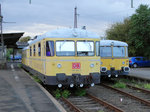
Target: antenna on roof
[75, 17]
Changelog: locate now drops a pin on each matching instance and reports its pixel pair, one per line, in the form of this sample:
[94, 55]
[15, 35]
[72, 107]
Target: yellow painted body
[116, 63]
[48, 65]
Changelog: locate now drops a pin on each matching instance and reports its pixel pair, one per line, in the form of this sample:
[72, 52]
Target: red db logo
[76, 65]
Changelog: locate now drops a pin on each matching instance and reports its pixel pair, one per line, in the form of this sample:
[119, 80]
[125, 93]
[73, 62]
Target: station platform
[140, 72]
[19, 93]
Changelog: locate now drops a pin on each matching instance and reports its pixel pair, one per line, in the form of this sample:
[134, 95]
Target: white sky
[44, 15]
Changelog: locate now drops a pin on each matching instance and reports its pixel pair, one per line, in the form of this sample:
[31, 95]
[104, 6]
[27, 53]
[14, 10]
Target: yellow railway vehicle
[114, 58]
[64, 57]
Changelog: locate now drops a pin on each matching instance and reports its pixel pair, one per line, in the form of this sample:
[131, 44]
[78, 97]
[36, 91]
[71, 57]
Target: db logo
[76, 65]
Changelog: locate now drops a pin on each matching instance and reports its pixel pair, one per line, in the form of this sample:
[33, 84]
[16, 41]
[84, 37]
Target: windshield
[118, 51]
[85, 48]
[65, 48]
[105, 52]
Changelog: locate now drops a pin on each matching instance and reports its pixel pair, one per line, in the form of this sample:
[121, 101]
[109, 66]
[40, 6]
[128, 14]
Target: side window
[126, 51]
[30, 51]
[138, 59]
[97, 45]
[145, 59]
[34, 50]
[39, 49]
[49, 48]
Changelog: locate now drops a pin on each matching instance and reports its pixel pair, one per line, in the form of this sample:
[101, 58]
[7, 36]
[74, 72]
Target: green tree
[135, 31]
[140, 31]
[120, 31]
[9, 52]
[24, 39]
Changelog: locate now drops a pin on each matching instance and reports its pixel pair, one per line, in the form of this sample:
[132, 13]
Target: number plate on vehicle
[76, 65]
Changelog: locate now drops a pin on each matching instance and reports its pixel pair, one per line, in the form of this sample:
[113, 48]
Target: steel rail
[137, 78]
[111, 107]
[76, 109]
[141, 89]
[127, 94]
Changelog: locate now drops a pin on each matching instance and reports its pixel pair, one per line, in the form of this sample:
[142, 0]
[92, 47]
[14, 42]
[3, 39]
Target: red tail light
[130, 61]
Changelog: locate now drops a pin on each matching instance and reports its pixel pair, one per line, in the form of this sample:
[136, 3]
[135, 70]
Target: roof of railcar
[67, 33]
[112, 42]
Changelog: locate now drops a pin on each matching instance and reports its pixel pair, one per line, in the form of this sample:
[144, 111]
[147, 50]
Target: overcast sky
[44, 15]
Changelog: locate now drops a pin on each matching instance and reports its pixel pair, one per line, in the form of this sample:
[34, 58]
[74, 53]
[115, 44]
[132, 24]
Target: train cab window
[39, 49]
[119, 51]
[105, 51]
[97, 46]
[34, 50]
[65, 48]
[30, 51]
[85, 48]
[49, 48]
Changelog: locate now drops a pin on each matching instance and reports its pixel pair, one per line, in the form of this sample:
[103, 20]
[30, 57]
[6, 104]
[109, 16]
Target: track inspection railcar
[64, 57]
[114, 58]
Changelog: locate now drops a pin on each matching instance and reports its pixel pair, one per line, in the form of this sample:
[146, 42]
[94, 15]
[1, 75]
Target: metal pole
[75, 17]
[131, 3]
[2, 39]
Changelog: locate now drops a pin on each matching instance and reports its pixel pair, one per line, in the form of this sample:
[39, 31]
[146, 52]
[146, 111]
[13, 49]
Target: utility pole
[131, 3]
[1, 28]
[75, 17]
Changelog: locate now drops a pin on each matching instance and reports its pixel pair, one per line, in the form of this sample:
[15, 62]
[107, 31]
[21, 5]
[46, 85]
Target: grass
[61, 93]
[100, 111]
[146, 86]
[57, 93]
[138, 86]
[36, 79]
[19, 65]
[80, 92]
[119, 85]
[124, 80]
[65, 93]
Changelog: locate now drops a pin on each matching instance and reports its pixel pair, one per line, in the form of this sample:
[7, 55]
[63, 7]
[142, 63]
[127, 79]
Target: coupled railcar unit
[64, 57]
[114, 58]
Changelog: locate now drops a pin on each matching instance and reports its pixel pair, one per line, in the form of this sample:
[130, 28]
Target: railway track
[138, 79]
[120, 99]
[126, 100]
[129, 95]
[88, 103]
[137, 88]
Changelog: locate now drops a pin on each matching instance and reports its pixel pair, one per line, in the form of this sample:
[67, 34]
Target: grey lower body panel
[62, 78]
[113, 73]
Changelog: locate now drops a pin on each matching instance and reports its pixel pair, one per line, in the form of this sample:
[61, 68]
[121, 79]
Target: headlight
[91, 65]
[101, 63]
[58, 65]
[123, 62]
